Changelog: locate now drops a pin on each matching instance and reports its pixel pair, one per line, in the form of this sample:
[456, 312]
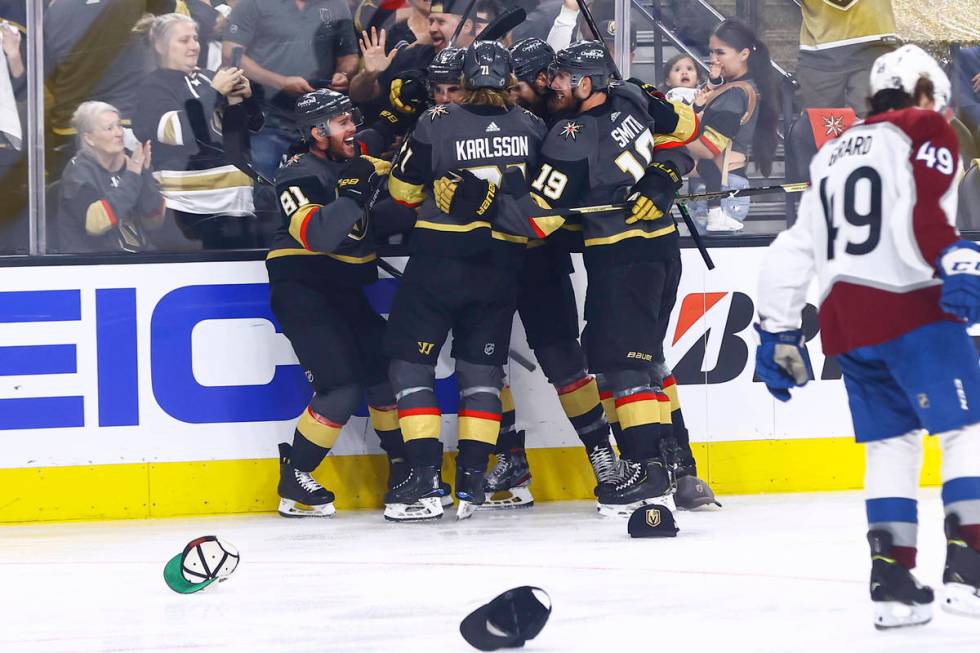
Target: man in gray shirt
[291, 47]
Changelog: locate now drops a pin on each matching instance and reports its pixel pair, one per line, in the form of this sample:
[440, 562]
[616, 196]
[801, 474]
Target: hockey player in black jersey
[461, 167]
[605, 152]
[444, 76]
[322, 256]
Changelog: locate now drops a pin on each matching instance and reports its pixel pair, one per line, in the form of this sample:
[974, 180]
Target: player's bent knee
[625, 381]
[961, 452]
[338, 404]
[893, 466]
[562, 362]
[473, 378]
[408, 378]
[380, 394]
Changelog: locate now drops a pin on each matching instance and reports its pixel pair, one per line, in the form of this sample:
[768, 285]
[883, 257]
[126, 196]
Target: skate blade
[623, 511]
[515, 497]
[892, 614]
[446, 500]
[423, 510]
[962, 600]
[289, 508]
[465, 509]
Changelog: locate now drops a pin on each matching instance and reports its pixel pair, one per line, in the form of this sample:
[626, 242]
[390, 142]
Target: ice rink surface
[783, 573]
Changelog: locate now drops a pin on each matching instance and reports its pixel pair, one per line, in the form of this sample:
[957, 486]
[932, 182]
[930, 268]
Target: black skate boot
[961, 577]
[606, 466]
[469, 491]
[398, 470]
[506, 485]
[299, 493]
[898, 598]
[417, 498]
[643, 483]
[691, 492]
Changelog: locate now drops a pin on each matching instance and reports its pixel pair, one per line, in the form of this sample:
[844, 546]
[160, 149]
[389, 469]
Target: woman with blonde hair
[108, 195]
[208, 197]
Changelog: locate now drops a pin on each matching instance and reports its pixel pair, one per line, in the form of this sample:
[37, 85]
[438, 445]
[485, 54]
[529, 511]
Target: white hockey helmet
[902, 68]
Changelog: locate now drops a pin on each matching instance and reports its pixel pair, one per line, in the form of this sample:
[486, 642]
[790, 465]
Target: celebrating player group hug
[482, 183]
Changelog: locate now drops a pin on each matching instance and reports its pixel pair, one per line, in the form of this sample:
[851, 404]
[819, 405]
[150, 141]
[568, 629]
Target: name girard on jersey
[851, 146]
[490, 147]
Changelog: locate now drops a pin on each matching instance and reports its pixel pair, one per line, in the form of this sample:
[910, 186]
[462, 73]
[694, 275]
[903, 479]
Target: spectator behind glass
[200, 186]
[14, 221]
[209, 21]
[738, 112]
[682, 77]
[966, 87]
[90, 53]
[838, 43]
[109, 197]
[291, 47]
[412, 27]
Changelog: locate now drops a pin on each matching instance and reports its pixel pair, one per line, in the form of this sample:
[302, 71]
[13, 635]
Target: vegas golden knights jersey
[829, 24]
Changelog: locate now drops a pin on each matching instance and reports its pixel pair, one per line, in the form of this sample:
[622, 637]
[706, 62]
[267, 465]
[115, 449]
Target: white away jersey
[879, 212]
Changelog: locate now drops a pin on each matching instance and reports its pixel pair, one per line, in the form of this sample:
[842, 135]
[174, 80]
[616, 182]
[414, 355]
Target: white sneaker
[718, 220]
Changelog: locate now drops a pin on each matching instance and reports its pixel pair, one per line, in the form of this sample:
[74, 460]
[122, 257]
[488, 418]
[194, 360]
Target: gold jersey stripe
[638, 413]
[99, 218]
[455, 228]
[671, 392]
[510, 238]
[580, 400]
[204, 181]
[685, 131]
[479, 429]
[632, 233]
[279, 253]
[609, 407]
[343, 258]
[384, 419]
[318, 429]
[298, 221]
[506, 399]
[418, 427]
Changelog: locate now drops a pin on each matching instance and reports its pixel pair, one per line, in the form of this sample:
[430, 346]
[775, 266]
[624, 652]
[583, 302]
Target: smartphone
[236, 57]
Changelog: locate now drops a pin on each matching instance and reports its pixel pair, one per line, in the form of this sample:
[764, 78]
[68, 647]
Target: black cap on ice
[531, 56]
[446, 67]
[652, 521]
[509, 620]
[487, 64]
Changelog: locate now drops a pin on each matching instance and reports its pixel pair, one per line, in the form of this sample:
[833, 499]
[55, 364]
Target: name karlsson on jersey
[490, 147]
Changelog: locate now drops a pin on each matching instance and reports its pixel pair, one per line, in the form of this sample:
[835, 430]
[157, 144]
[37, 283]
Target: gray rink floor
[765, 573]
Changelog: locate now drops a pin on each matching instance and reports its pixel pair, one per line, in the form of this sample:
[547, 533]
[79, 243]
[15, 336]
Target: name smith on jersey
[492, 147]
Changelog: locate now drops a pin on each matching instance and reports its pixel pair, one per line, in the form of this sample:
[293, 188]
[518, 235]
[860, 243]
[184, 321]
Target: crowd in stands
[137, 92]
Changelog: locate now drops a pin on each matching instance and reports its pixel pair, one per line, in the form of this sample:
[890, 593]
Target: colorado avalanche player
[898, 289]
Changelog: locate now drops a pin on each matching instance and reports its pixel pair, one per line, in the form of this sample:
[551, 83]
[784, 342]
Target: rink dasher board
[162, 389]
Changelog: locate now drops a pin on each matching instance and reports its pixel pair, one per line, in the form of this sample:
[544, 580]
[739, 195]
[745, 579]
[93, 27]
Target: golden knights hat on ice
[509, 620]
[652, 521]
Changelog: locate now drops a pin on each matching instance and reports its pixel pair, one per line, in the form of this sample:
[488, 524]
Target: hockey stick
[685, 199]
[590, 21]
[520, 359]
[462, 21]
[499, 26]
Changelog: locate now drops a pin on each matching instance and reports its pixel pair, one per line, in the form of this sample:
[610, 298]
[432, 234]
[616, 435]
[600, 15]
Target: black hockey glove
[464, 195]
[409, 93]
[659, 108]
[654, 194]
[360, 177]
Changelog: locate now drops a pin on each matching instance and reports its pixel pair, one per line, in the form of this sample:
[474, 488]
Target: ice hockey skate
[417, 498]
[507, 484]
[643, 483]
[899, 599]
[608, 469]
[691, 492]
[300, 495]
[961, 577]
[469, 491]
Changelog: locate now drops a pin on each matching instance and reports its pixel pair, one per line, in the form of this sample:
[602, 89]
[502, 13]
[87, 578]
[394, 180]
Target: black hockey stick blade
[505, 22]
[696, 236]
[590, 21]
[235, 140]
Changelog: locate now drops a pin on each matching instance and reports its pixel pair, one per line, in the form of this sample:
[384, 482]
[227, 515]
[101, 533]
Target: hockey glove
[409, 94]
[360, 177]
[654, 194]
[464, 195]
[782, 361]
[959, 267]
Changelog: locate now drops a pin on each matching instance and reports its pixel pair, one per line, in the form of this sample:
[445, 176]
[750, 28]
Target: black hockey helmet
[584, 59]
[487, 64]
[317, 108]
[447, 67]
[531, 56]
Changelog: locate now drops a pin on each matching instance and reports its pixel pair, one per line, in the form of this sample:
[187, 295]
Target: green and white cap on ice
[204, 561]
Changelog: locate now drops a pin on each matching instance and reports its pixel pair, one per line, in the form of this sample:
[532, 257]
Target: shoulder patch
[438, 111]
[571, 130]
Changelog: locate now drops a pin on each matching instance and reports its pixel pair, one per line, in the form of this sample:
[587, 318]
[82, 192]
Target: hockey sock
[384, 419]
[677, 427]
[609, 408]
[639, 416]
[891, 482]
[509, 438]
[474, 454]
[312, 440]
[584, 409]
[961, 480]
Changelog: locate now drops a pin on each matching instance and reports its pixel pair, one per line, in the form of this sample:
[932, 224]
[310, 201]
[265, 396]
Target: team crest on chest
[438, 111]
[571, 130]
